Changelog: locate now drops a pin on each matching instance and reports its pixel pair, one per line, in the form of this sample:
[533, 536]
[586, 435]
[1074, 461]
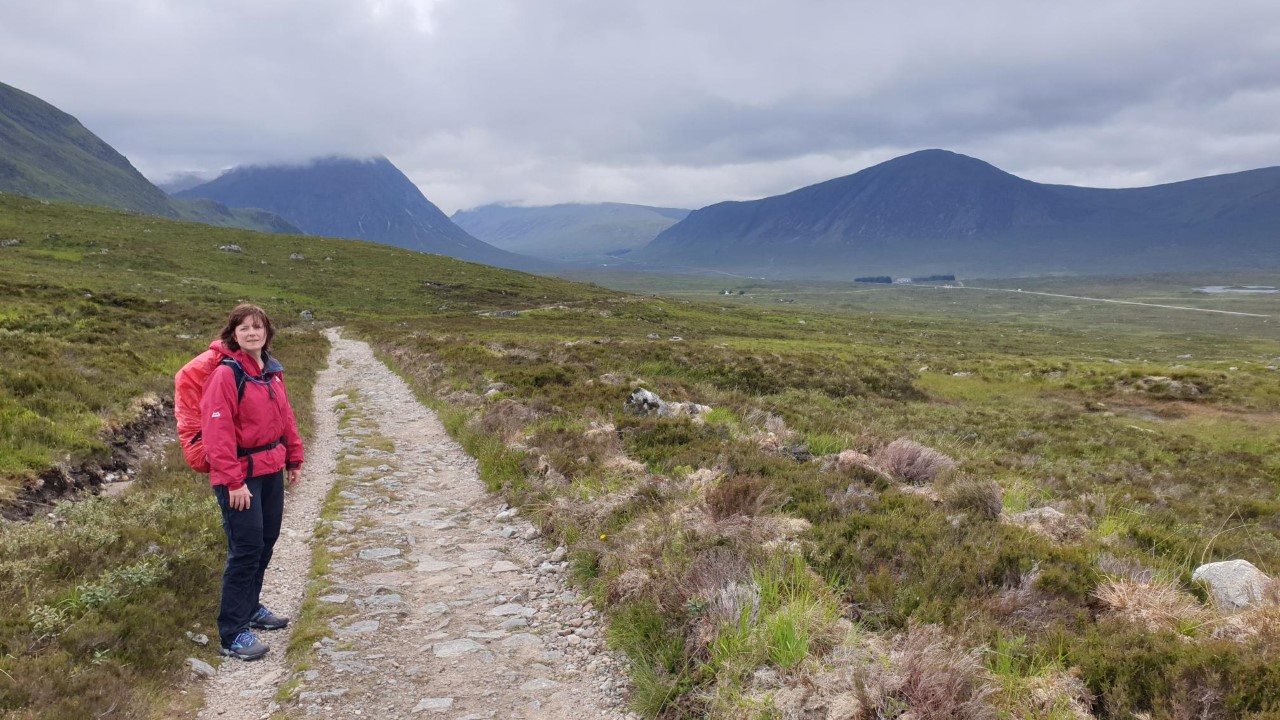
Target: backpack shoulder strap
[239, 374]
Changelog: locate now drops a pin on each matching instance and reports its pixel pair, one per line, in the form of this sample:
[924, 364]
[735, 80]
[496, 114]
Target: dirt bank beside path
[448, 604]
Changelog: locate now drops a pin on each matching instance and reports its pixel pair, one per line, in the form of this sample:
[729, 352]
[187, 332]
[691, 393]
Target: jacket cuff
[293, 465]
[235, 484]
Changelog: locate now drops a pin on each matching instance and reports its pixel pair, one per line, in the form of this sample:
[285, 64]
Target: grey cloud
[660, 101]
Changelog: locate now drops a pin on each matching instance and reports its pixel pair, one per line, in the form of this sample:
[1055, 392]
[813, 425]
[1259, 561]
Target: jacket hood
[243, 359]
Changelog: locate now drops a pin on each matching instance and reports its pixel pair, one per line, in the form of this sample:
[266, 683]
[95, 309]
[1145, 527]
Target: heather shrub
[573, 452]
[902, 559]
[740, 495]
[1133, 670]
[669, 442]
[712, 571]
[983, 498]
[98, 597]
[929, 674]
[911, 461]
[854, 498]
[505, 418]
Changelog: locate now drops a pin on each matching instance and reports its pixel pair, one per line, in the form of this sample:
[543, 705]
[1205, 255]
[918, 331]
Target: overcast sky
[660, 102]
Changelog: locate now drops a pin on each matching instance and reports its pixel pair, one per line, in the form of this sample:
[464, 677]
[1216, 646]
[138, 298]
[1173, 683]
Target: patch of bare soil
[446, 602]
[131, 445]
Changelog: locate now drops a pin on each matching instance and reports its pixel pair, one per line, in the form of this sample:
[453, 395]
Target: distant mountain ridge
[569, 232]
[46, 153]
[936, 211]
[364, 199]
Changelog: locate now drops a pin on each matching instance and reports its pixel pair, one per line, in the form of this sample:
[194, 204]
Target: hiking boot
[265, 620]
[246, 646]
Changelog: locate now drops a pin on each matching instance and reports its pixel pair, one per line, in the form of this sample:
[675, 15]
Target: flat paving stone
[455, 648]
[381, 553]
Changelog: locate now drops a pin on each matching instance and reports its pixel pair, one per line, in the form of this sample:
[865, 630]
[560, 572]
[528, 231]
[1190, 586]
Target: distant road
[960, 286]
[1121, 302]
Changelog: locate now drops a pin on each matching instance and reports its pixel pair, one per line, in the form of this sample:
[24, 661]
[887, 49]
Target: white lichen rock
[1234, 584]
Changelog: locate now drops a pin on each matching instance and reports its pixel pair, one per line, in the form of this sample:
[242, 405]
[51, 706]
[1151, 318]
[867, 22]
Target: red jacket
[260, 418]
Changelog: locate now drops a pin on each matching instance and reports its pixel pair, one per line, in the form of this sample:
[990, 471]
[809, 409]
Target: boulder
[646, 402]
[676, 409]
[1050, 523]
[1234, 584]
[1168, 387]
[643, 402]
[849, 459]
[230, 248]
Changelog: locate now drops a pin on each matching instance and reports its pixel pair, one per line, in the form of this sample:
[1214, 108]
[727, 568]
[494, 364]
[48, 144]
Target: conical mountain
[941, 212]
[365, 199]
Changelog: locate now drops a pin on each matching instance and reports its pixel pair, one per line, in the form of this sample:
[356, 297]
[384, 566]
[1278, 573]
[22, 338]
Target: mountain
[184, 181]
[935, 211]
[594, 232]
[349, 198]
[46, 153]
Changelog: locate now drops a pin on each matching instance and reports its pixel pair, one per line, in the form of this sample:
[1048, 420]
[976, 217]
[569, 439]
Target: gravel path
[448, 603]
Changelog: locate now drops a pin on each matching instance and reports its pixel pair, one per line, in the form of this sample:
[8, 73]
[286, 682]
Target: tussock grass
[825, 443]
[1154, 604]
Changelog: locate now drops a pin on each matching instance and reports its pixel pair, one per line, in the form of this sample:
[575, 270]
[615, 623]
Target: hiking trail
[449, 604]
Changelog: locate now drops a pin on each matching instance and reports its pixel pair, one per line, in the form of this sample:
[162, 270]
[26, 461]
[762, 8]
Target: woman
[251, 438]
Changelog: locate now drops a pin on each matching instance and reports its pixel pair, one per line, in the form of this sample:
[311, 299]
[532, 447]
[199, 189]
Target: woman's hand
[239, 498]
[294, 476]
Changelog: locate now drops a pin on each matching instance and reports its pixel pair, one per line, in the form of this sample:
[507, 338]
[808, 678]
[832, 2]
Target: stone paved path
[447, 603]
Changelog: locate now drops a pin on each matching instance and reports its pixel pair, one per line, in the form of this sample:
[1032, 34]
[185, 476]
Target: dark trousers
[251, 538]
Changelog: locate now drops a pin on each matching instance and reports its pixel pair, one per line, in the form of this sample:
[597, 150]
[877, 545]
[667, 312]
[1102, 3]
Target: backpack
[188, 387]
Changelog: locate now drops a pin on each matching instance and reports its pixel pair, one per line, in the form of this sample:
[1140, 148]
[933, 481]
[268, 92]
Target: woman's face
[251, 335]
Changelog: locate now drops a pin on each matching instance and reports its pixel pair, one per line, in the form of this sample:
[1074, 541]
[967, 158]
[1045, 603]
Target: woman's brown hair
[237, 318]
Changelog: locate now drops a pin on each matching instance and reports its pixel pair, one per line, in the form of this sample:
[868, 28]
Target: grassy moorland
[840, 530]
[1157, 448]
[98, 309]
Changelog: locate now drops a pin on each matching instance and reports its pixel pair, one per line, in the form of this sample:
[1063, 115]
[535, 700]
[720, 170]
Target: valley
[1003, 492]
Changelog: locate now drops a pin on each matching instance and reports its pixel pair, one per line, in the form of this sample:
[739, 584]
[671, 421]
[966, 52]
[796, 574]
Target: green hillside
[1157, 445]
[46, 153]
